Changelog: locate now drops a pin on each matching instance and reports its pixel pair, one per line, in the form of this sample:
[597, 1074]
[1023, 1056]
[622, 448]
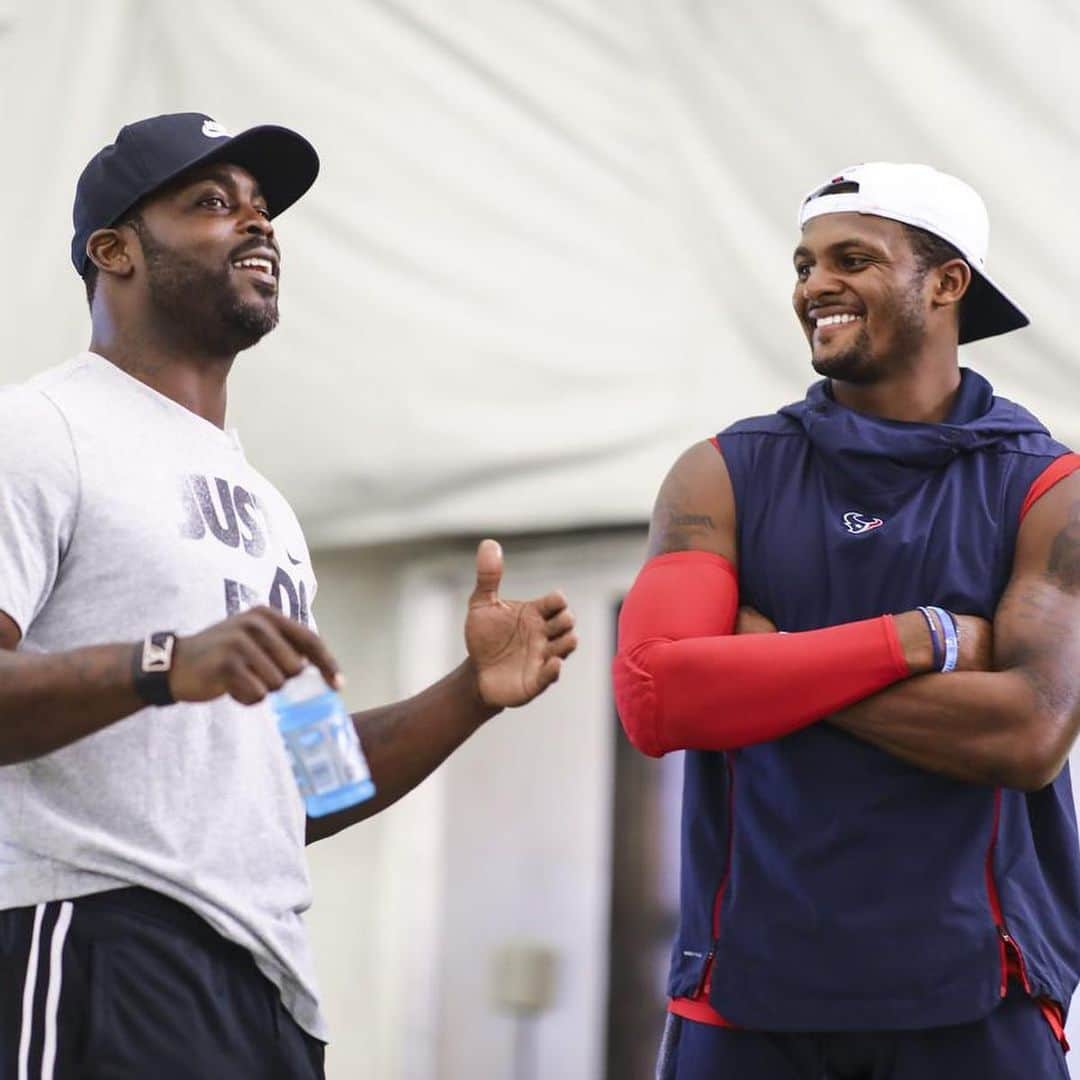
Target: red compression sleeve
[683, 681]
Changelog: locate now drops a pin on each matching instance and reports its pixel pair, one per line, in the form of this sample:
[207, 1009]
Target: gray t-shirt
[121, 513]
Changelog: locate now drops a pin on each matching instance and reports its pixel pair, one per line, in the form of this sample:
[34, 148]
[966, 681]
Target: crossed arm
[1014, 724]
[1010, 719]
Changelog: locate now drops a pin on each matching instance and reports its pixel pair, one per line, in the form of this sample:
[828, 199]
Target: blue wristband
[935, 639]
[952, 638]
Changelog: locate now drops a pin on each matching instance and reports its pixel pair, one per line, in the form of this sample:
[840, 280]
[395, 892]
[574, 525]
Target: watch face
[157, 651]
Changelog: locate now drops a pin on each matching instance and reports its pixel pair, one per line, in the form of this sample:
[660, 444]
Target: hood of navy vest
[869, 453]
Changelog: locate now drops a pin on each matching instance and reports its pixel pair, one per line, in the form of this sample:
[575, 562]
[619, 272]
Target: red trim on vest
[1056, 471]
[698, 1009]
[1055, 1017]
[992, 895]
[697, 1006]
[1012, 959]
[715, 440]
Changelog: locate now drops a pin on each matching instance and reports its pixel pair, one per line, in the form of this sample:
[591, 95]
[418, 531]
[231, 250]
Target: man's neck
[195, 380]
[922, 395]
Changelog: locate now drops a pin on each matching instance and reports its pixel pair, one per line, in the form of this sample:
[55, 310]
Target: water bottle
[327, 761]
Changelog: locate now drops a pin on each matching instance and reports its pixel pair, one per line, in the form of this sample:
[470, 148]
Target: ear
[951, 281]
[110, 250]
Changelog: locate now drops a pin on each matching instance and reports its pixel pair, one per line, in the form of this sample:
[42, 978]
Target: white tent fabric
[550, 246]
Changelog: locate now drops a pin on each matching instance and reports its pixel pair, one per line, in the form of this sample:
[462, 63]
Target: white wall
[509, 841]
[357, 608]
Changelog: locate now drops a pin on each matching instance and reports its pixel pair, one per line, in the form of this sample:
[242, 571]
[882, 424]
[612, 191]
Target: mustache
[256, 243]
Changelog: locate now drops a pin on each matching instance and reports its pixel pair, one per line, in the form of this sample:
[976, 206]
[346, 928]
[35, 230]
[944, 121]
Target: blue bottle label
[327, 761]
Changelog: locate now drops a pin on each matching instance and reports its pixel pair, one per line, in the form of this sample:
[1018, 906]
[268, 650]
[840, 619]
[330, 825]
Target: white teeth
[836, 320]
[256, 264]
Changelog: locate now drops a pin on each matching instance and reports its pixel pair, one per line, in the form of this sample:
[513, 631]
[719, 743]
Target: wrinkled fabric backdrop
[551, 242]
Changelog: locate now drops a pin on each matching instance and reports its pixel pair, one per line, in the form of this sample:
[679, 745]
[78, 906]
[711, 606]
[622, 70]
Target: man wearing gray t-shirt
[154, 590]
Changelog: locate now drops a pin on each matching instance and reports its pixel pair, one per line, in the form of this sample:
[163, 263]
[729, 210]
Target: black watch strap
[151, 665]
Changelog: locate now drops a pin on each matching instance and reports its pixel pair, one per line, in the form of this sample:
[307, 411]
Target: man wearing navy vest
[880, 871]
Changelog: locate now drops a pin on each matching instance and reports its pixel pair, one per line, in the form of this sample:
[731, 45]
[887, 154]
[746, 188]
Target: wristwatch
[151, 665]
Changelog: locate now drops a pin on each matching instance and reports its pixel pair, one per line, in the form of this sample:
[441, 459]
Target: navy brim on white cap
[939, 203]
[149, 153]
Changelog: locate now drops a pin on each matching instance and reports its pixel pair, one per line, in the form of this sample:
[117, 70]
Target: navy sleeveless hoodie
[827, 885]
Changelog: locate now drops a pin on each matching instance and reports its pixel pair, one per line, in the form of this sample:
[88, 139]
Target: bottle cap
[303, 687]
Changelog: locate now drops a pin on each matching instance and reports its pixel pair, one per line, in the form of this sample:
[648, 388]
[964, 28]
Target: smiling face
[211, 262]
[861, 297]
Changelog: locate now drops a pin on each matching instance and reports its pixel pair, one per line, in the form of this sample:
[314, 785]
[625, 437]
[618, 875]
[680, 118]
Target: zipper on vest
[1008, 947]
[706, 973]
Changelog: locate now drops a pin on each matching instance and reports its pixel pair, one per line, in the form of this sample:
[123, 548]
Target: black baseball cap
[150, 153]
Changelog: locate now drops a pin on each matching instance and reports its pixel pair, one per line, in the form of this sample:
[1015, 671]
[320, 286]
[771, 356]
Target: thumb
[489, 571]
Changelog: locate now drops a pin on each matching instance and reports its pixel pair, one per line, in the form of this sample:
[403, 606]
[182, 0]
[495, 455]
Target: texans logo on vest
[860, 523]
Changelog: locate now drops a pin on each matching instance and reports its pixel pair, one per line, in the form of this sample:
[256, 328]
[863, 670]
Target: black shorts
[130, 985]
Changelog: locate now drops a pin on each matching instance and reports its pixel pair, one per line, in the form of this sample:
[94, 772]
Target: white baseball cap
[941, 204]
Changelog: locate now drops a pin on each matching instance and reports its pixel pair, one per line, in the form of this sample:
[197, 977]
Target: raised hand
[516, 646]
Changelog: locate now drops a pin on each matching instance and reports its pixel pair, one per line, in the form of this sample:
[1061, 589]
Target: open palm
[516, 646]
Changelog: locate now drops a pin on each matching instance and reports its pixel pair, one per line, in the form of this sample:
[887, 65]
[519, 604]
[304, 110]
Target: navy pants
[129, 985]
[1013, 1043]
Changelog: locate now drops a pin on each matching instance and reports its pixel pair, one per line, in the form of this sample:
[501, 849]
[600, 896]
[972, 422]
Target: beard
[201, 308]
[860, 364]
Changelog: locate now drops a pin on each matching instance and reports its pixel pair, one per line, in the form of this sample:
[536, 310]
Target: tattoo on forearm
[1063, 565]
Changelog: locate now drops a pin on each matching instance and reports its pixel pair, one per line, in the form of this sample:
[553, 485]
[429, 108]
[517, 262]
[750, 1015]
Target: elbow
[1029, 780]
[1034, 761]
[639, 737]
[1031, 776]
[640, 728]
[636, 704]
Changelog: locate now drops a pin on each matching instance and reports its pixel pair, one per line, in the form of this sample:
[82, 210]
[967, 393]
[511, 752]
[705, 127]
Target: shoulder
[1051, 526]
[771, 442]
[777, 423]
[702, 462]
[37, 452]
[32, 423]
[1024, 433]
[46, 399]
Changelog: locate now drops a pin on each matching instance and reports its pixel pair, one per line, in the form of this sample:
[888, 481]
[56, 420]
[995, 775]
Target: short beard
[859, 365]
[199, 308]
[854, 365]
